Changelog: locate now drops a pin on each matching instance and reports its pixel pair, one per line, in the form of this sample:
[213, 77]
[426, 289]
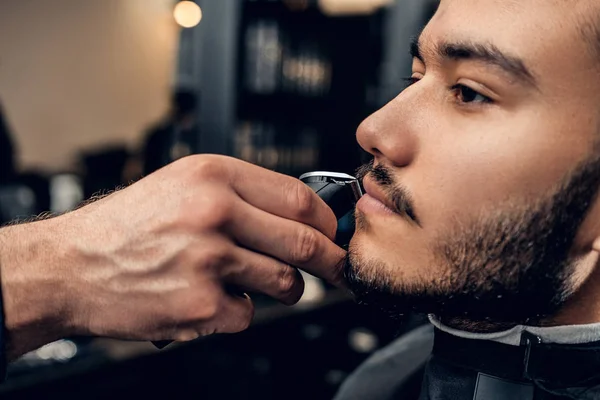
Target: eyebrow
[483, 52]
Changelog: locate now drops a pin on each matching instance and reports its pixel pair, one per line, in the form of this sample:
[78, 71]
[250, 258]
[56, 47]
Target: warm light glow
[351, 7]
[187, 14]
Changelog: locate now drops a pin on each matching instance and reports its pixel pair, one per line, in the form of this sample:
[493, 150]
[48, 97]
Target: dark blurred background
[96, 94]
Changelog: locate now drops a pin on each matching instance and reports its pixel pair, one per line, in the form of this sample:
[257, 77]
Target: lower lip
[370, 205]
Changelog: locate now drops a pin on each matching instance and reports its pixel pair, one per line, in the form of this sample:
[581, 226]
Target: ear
[588, 236]
[590, 228]
[596, 245]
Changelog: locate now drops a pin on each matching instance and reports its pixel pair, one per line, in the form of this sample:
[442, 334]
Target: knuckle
[306, 246]
[302, 200]
[206, 167]
[246, 320]
[287, 284]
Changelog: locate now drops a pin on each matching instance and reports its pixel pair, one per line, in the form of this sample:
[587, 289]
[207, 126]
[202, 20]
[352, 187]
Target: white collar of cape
[567, 334]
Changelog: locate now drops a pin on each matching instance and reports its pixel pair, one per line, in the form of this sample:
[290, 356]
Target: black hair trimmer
[340, 191]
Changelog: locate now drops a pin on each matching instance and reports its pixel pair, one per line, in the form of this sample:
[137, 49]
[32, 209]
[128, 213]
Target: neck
[582, 307]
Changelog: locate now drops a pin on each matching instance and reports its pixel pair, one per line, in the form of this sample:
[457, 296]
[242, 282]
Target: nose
[390, 133]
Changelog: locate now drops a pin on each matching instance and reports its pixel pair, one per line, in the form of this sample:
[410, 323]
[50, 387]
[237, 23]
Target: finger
[283, 196]
[235, 315]
[291, 242]
[255, 272]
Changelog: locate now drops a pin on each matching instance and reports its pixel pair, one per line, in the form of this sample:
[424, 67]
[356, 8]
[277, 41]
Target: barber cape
[435, 362]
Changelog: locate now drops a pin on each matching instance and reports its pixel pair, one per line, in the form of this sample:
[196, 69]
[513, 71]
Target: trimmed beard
[510, 267]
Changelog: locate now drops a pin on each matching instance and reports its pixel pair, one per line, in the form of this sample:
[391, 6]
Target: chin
[454, 293]
[399, 267]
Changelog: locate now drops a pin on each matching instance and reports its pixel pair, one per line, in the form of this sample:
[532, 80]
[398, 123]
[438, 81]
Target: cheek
[474, 168]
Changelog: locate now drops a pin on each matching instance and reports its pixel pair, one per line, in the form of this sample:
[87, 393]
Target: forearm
[34, 285]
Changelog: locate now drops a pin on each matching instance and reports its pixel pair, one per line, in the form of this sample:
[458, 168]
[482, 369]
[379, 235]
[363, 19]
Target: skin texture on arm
[167, 258]
[34, 288]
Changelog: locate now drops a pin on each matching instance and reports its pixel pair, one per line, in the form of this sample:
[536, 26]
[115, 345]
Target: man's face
[490, 161]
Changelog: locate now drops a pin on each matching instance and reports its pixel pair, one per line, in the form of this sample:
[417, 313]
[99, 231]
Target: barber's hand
[166, 258]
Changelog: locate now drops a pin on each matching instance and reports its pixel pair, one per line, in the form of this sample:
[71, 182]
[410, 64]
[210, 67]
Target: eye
[467, 95]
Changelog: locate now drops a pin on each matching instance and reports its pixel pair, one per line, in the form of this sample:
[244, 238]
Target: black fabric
[455, 368]
[550, 371]
[551, 363]
[394, 372]
[490, 387]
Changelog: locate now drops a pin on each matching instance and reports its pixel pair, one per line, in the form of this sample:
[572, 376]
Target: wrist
[34, 279]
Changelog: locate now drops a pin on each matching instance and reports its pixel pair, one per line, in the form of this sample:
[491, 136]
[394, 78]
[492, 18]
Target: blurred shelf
[279, 106]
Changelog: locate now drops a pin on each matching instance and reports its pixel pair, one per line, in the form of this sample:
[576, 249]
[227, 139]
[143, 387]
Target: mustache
[401, 199]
